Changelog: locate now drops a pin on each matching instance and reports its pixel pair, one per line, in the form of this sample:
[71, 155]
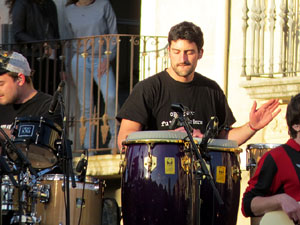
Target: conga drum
[224, 166]
[253, 154]
[158, 181]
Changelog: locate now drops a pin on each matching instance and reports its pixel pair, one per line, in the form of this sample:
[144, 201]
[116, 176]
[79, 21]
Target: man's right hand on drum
[196, 132]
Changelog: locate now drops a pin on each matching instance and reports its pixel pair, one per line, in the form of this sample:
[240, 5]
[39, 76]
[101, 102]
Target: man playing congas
[149, 105]
[275, 185]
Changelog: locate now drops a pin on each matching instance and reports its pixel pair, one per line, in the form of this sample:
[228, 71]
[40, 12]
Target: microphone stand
[203, 168]
[5, 169]
[24, 161]
[23, 164]
[65, 148]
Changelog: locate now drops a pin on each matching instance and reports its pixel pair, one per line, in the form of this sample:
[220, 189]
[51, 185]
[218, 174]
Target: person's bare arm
[127, 127]
[258, 119]
[262, 205]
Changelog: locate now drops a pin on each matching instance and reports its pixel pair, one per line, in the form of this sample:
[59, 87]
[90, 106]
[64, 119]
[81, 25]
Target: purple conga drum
[159, 185]
[224, 166]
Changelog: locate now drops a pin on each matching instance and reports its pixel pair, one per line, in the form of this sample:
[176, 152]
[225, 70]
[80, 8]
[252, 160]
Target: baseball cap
[11, 61]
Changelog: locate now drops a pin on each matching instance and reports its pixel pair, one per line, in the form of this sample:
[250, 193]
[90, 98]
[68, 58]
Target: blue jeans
[108, 95]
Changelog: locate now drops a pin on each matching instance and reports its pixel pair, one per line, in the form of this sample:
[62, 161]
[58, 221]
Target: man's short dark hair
[187, 31]
[293, 114]
[14, 76]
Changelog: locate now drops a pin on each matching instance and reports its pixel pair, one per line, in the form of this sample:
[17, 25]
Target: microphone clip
[182, 113]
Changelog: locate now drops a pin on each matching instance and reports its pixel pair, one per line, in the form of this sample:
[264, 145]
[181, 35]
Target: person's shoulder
[276, 153]
[43, 96]
[69, 7]
[22, 3]
[154, 79]
[205, 81]
[102, 2]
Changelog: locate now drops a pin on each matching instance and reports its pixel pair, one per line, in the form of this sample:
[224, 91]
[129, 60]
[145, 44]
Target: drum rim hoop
[58, 176]
[47, 121]
[263, 146]
[165, 141]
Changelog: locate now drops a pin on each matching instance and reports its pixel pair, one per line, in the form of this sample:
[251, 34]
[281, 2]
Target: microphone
[56, 95]
[81, 164]
[211, 130]
[173, 125]
[182, 113]
[178, 107]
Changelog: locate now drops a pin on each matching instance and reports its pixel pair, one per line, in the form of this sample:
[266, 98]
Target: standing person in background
[89, 18]
[35, 22]
[276, 182]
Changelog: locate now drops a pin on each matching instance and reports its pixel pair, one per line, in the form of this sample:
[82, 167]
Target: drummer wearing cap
[18, 97]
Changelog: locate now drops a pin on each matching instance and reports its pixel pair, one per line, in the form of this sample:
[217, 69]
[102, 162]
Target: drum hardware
[236, 173]
[187, 146]
[27, 195]
[186, 164]
[198, 171]
[122, 165]
[38, 132]
[42, 192]
[209, 133]
[251, 164]
[150, 161]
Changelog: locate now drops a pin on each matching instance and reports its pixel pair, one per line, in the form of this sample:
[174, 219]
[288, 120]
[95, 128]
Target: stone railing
[271, 48]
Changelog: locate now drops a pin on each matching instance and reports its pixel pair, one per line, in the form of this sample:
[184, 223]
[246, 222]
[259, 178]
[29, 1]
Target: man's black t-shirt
[38, 106]
[151, 99]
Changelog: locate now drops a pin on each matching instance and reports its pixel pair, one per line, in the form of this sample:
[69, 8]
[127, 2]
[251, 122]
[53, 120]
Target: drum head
[38, 156]
[262, 146]
[156, 136]
[179, 137]
[36, 138]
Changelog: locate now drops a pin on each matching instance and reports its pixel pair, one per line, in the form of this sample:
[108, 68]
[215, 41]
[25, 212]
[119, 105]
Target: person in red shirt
[276, 182]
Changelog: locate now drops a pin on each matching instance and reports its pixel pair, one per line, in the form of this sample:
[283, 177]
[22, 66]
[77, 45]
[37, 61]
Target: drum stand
[64, 149]
[24, 165]
[202, 170]
[5, 170]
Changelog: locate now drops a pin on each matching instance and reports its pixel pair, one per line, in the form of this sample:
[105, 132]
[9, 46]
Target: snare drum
[86, 206]
[36, 138]
[158, 183]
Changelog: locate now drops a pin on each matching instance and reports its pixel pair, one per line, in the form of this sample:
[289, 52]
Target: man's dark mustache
[184, 64]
